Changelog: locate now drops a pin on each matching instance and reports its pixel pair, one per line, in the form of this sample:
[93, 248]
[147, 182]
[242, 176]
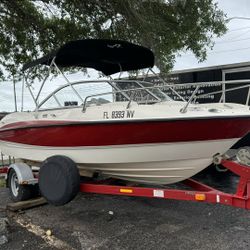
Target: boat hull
[160, 163]
[156, 150]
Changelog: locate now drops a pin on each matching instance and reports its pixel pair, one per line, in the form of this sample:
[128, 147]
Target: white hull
[161, 163]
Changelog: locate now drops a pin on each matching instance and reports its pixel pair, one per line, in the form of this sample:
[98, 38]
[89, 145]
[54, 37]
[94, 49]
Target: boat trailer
[197, 191]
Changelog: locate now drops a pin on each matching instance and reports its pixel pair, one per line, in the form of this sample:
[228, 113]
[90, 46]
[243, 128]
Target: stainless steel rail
[174, 88]
[227, 90]
[113, 92]
[184, 109]
[193, 97]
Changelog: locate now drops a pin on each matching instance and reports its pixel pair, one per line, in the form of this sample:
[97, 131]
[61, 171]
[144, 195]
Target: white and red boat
[150, 139]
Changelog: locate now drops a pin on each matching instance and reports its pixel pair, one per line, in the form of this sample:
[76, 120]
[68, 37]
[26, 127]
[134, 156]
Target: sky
[233, 47]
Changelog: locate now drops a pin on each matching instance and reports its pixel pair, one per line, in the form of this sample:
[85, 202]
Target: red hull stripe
[62, 134]
[45, 123]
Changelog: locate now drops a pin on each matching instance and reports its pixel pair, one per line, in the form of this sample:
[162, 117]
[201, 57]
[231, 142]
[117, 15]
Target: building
[228, 72]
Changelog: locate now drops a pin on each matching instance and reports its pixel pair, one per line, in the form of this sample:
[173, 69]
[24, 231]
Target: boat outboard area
[122, 128]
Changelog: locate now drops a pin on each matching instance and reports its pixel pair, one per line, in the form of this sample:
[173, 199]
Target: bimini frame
[114, 56]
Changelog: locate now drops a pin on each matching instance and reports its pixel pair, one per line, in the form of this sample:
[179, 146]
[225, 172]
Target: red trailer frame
[200, 192]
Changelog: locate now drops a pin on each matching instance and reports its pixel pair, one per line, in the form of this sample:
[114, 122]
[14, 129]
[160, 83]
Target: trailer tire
[35, 191]
[59, 180]
[18, 192]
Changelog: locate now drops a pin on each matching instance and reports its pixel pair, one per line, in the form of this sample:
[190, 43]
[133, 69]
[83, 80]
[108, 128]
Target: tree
[30, 29]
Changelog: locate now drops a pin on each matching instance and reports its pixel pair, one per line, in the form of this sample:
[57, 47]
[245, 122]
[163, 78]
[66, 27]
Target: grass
[2, 182]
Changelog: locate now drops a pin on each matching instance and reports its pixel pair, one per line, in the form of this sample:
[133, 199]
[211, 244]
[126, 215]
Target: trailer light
[126, 190]
[200, 197]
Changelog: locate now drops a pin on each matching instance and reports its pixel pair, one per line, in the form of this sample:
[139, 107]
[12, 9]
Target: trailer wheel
[18, 192]
[59, 180]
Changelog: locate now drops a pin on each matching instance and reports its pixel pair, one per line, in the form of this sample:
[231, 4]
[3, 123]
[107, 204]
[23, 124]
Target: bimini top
[107, 56]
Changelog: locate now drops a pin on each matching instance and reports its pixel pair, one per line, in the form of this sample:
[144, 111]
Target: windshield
[142, 92]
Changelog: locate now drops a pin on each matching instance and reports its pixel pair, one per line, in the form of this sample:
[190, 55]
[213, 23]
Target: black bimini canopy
[107, 56]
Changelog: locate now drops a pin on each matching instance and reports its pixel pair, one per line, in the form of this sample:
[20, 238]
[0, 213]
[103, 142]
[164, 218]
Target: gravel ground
[136, 223]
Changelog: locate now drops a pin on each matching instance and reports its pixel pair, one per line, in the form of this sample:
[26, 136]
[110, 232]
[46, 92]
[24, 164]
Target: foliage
[2, 183]
[30, 29]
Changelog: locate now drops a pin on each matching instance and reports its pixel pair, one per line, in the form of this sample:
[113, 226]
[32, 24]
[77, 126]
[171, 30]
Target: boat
[145, 136]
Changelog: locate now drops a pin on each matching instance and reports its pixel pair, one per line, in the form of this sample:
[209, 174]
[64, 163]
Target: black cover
[59, 180]
[107, 56]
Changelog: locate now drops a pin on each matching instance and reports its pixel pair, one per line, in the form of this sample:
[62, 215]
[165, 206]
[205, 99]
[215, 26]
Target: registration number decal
[119, 114]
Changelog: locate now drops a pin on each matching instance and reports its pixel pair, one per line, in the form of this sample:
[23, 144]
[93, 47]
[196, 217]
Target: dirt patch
[19, 238]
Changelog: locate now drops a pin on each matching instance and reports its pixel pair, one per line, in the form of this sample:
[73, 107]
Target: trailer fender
[24, 173]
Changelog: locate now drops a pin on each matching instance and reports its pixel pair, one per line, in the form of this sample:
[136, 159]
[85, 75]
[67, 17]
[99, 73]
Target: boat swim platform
[193, 190]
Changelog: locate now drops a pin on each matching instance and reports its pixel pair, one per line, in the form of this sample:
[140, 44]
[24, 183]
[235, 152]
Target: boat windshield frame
[112, 82]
